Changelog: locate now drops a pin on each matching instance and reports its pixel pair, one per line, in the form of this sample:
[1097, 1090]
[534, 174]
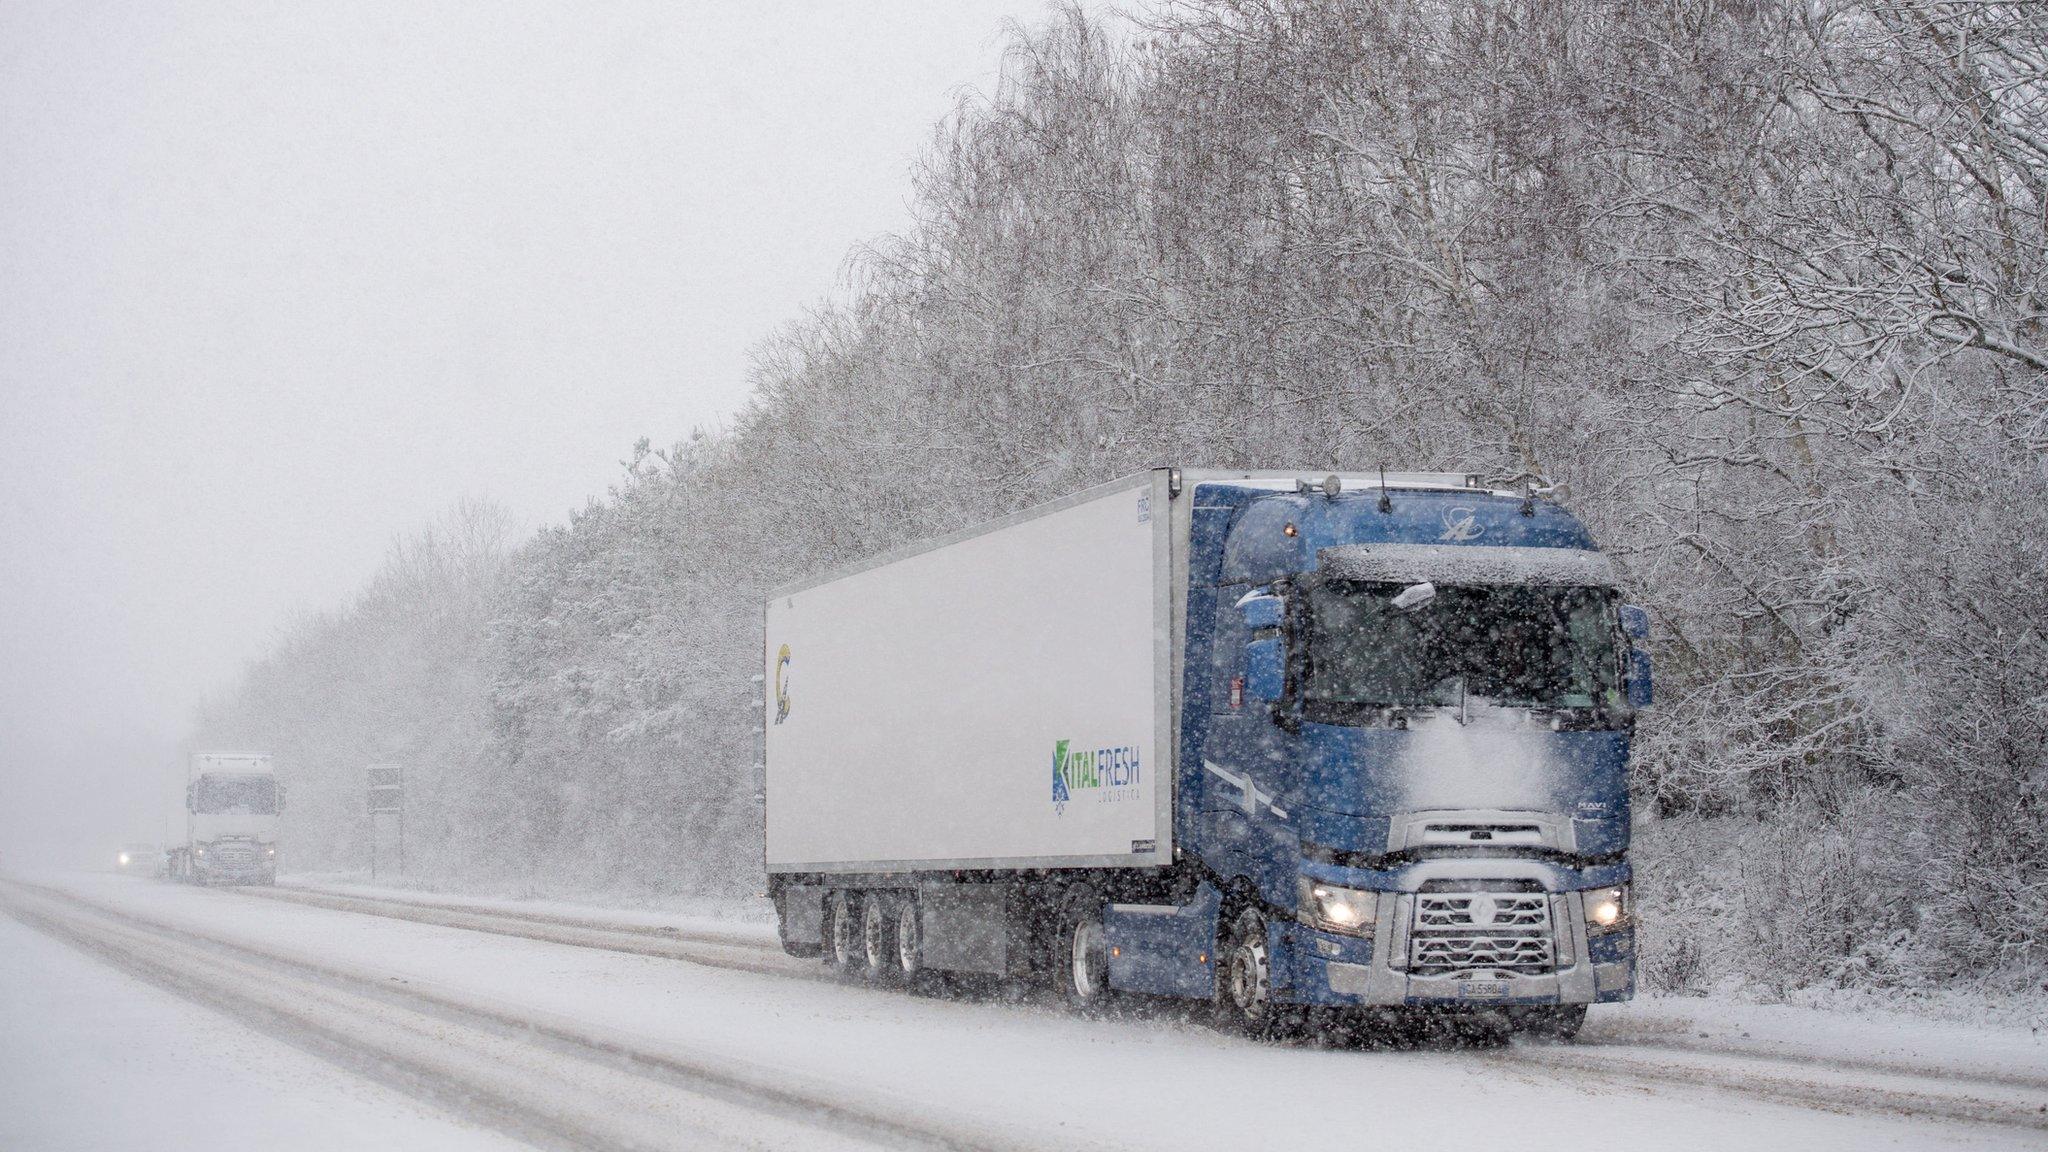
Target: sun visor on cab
[1455, 564]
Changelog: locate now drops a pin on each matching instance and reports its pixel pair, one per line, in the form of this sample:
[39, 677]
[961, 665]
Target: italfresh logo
[1111, 774]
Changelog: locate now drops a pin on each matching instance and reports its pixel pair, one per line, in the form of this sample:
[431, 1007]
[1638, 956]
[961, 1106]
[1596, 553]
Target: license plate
[1482, 989]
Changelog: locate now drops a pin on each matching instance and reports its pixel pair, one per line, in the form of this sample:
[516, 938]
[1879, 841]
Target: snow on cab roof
[1468, 564]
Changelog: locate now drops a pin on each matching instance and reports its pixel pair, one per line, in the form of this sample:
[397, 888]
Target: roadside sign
[385, 787]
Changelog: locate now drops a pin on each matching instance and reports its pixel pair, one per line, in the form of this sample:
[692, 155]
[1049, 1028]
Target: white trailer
[999, 699]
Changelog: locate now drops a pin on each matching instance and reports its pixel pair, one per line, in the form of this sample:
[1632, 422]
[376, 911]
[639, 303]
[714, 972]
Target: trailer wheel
[909, 938]
[1084, 952]
[840, 948]
[1244, 984]
[877, 938]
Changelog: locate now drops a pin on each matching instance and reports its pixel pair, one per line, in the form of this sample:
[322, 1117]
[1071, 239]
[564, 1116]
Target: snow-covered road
[606, 1030]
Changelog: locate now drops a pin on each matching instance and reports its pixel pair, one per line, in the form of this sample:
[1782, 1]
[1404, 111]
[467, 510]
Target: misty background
[279, 282]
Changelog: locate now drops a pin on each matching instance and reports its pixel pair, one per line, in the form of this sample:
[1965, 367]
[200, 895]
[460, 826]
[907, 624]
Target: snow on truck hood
[1493, 758]
[1467, 564]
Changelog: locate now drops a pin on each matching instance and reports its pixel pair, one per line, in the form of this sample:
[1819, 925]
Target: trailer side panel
[1001, 700]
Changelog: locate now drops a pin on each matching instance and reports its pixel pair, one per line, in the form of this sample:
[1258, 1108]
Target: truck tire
[1083, 959]
[1553, 1022]
[878, 939]
[842, 935]
[1244, 983]
[909, 938]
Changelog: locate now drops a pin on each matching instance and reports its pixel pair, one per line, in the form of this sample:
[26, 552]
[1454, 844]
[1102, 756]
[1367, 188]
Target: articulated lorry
[231, 806]
[1303, 746]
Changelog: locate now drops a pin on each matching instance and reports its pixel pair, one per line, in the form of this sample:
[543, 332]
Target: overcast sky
[280, 280]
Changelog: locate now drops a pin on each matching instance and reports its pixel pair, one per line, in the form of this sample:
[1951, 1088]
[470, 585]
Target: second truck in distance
[231, 810]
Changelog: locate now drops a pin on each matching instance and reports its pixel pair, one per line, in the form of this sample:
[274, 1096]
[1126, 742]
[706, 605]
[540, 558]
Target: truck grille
[1506, 932]
[234, 856]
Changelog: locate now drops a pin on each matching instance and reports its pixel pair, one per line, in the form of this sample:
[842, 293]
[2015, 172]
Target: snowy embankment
[1002, 1074]
[741, 915]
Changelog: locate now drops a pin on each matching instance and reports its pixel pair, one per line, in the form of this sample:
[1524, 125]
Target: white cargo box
[996, 699]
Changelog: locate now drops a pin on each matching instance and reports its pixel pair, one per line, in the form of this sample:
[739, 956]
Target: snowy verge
[752, 917]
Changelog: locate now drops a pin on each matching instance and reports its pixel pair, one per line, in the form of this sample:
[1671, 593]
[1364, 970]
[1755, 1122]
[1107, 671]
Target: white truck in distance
[231, 805]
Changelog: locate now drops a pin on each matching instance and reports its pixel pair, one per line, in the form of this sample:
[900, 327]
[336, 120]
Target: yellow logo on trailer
[782, 684]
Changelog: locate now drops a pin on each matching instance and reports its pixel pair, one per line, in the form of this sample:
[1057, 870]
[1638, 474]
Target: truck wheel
[1244, 983]
[1084, 953]
[840, 946]
[877, 938]
[909, 940]
[1555, 1022]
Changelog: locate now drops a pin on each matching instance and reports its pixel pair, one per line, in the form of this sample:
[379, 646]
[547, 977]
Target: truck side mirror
[1639, 687]
[1635, 622]
[1265, 669]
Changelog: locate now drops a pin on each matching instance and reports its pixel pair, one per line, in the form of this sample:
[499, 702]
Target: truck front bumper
[236, 865]
[213, 875]
[1327, 969]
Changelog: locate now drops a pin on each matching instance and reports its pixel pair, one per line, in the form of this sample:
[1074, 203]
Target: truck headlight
[270, 851]
[1606, 909]
[1334, 909]
[201, 850]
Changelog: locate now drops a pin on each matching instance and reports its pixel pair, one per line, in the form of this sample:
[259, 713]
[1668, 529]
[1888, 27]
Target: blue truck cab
[1402, 772]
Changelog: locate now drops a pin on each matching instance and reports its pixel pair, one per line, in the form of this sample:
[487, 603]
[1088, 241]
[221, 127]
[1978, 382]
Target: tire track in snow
[1838, 1084]
[552, 1082]
[1844, 1087]
[716, 950]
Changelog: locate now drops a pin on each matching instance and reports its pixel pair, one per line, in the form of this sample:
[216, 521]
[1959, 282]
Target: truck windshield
[1512, 645]
[235, 795]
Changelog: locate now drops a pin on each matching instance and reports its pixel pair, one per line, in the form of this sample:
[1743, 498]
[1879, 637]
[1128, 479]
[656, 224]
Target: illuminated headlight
[1606, 909]
[122, 859]
[201, 850]
[270, 851]
[1335, 909]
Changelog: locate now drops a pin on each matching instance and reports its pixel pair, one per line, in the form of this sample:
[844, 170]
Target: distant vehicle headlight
[201, 850]
[1334, 909]
[272, 851]
[1607, 909]
[122, 859]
